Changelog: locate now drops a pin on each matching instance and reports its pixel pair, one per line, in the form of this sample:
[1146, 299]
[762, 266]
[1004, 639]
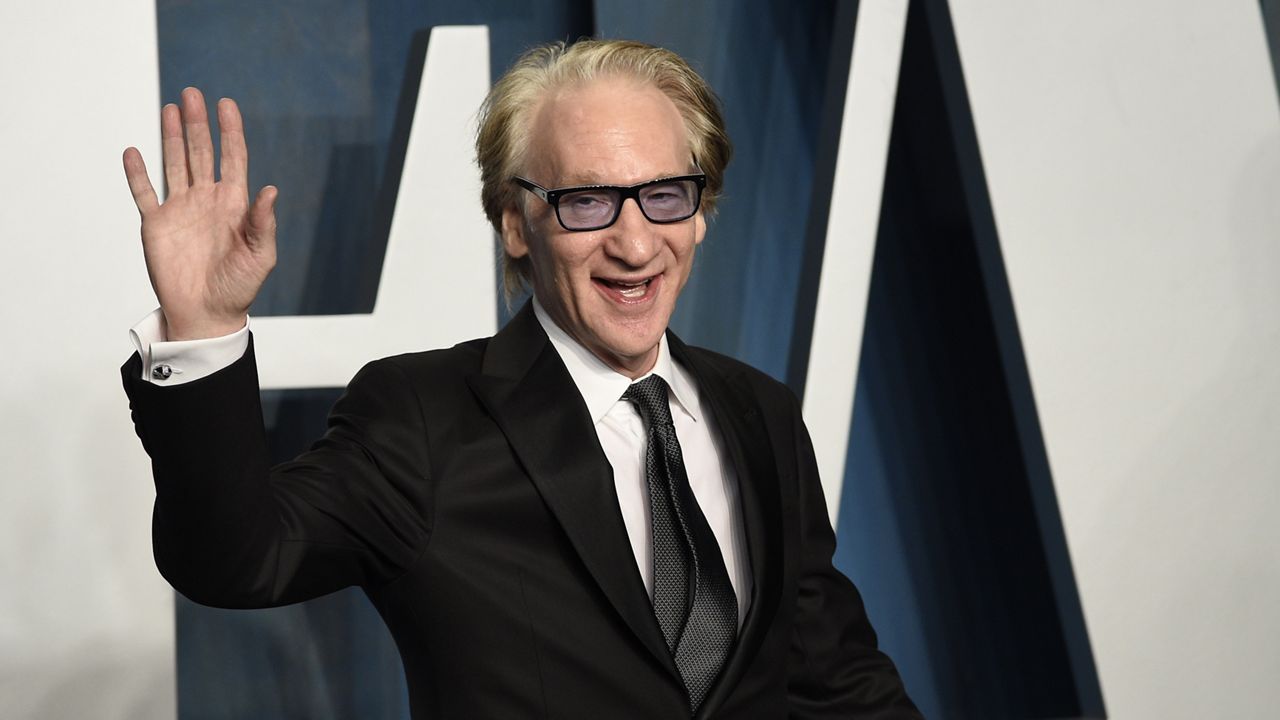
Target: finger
[195, 122]
[235, 154]
[176, 176]
[135, 171]
[261, 231]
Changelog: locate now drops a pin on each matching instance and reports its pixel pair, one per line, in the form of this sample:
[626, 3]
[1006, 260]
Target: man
[580, 517]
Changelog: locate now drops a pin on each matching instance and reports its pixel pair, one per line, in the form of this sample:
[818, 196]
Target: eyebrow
[591, 177]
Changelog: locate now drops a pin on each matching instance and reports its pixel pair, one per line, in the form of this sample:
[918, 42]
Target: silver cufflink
[161, 372]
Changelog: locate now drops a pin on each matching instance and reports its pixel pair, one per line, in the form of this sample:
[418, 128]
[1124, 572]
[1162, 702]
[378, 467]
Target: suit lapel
[526, 388]
[745, 438]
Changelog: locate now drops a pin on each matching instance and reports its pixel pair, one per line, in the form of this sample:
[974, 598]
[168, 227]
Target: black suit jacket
[465, 490]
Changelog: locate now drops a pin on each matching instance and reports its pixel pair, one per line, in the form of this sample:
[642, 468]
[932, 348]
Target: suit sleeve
[836, 669]
[230, 531]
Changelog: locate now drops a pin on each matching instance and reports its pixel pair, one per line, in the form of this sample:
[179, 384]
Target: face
[612, 290]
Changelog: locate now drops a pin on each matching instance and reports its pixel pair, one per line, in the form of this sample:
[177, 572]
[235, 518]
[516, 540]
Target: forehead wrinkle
[572, 143]
[591, 177]
[631, 170]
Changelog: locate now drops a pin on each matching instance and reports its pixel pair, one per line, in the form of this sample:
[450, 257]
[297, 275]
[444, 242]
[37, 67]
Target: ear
[514, 241]
[699, 228]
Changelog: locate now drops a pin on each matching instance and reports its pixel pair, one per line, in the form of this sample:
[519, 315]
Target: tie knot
[650, 397]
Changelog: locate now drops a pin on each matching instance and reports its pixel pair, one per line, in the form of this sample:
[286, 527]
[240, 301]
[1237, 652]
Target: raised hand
[208, 250]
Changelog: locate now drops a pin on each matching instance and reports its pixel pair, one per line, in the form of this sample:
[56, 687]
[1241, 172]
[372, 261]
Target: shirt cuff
[183, 361]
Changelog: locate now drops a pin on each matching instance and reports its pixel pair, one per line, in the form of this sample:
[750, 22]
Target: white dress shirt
[622, 435]
[617, 422]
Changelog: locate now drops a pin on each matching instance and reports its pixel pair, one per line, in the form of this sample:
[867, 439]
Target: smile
[629, 292]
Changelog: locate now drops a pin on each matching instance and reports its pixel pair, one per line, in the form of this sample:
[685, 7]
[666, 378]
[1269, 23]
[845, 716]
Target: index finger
[235, 153]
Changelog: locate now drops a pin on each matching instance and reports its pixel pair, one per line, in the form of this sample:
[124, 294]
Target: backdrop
[1018, 258]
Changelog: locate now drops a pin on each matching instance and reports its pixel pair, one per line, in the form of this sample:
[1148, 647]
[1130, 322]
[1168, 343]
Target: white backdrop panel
[86, 623]
[856, 191]
[1132, 151]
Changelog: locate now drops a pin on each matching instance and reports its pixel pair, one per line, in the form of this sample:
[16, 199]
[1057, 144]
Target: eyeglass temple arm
[534, 188]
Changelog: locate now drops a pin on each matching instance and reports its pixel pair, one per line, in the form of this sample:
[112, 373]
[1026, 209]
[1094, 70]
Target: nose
[632, 239]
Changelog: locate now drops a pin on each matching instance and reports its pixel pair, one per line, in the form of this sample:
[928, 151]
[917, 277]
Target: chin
[625, 332]
[631, 342]
[630, 345]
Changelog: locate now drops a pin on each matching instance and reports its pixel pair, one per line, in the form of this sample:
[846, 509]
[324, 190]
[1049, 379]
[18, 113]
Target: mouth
[629, 291]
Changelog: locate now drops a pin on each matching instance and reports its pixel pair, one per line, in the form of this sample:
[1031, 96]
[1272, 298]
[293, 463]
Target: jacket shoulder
[764, 386]
[432, 367]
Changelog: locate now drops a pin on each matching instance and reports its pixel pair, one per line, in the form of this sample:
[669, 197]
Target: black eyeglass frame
[552, 197]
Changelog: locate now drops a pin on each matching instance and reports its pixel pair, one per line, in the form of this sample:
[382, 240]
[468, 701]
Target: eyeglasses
[595, 207]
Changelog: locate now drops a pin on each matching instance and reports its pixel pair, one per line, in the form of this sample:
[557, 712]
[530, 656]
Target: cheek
[564, 265]
[685, 251]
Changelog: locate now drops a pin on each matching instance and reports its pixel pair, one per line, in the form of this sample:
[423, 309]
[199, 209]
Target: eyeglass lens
[660, 202]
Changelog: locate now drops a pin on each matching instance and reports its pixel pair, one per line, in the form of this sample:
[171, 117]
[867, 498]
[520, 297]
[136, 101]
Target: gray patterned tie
[692, 597]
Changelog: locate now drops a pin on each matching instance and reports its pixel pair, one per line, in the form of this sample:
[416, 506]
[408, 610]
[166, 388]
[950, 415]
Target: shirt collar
[601, 386]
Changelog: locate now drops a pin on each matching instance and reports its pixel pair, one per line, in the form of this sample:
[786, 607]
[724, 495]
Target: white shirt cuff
[183, 361]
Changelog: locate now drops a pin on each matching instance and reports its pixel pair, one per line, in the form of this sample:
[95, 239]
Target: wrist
[201, 328]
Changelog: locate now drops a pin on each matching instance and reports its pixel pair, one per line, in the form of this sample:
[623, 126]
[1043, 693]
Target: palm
[208, 250]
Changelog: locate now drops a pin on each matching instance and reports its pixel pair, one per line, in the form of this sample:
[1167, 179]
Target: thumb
[261, 229]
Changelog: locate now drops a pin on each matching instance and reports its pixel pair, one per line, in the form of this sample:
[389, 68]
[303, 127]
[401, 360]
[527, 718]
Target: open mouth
[635, 291]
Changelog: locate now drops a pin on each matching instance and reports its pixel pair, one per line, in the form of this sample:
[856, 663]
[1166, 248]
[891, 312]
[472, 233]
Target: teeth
[631, 291]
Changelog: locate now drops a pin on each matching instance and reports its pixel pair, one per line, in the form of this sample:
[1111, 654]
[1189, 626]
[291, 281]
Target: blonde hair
[505, 119]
